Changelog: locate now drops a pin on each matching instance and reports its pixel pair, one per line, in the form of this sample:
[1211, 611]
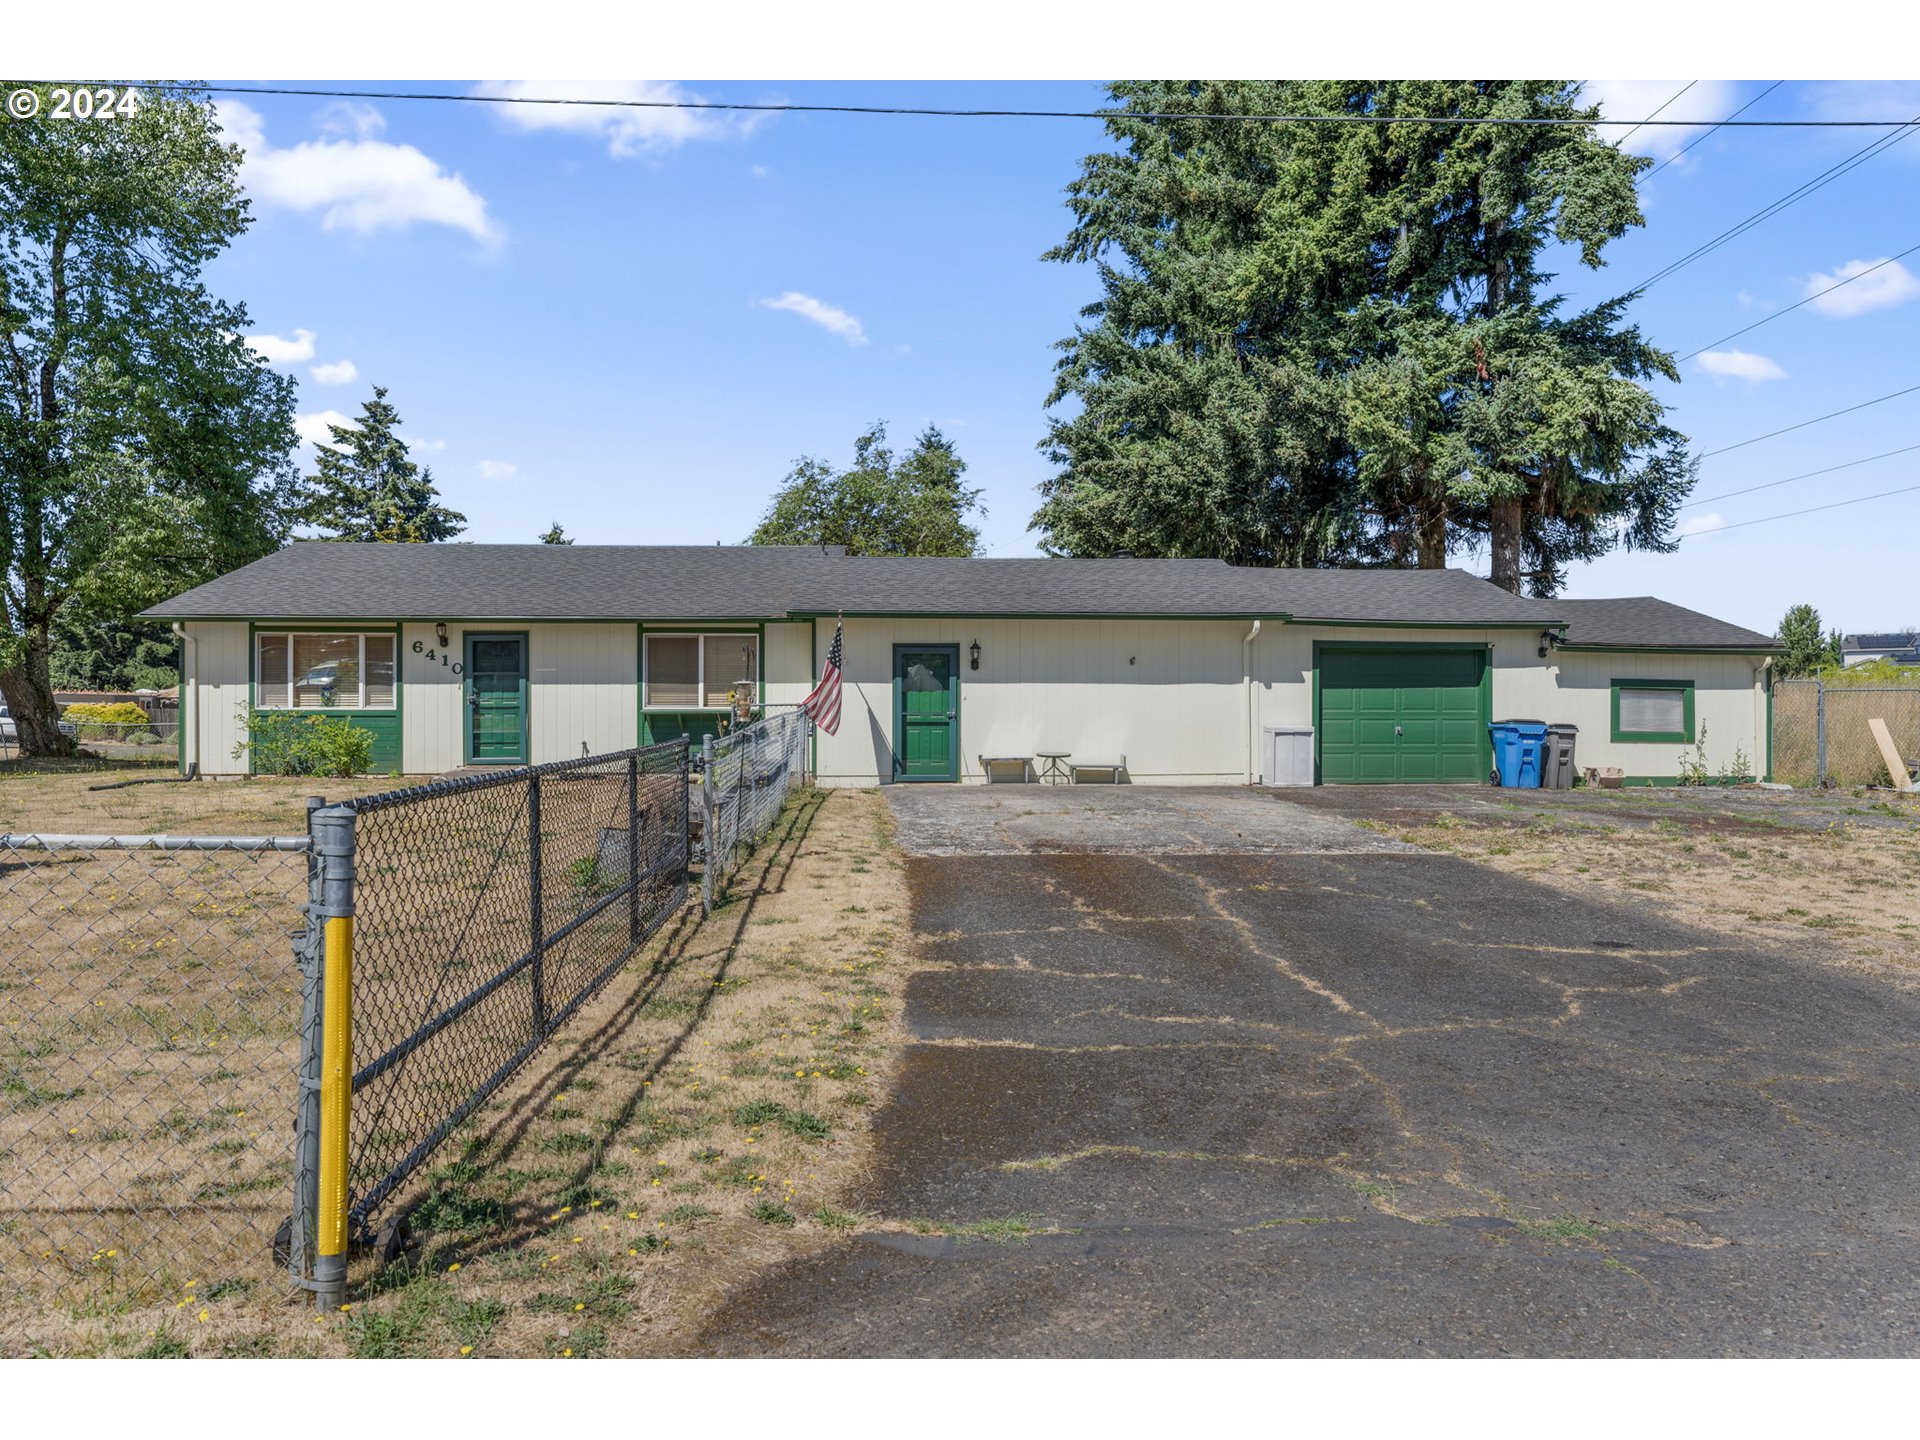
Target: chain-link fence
[151, 1005]
[483, 912]
[1820, 732]
[745, 777]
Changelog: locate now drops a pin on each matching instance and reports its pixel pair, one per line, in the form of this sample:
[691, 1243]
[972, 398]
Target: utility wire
[1810, 510]
[1698, 138]
[1453, 120]
[1808, 301]
[1643, 124]
[1742, 444]
[1807, 475]
[1792, 197]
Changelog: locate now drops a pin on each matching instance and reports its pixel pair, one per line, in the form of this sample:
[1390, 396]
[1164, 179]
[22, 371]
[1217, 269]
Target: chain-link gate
[151, 1005]
[1820, 732]
[455, 927]
[745, 777]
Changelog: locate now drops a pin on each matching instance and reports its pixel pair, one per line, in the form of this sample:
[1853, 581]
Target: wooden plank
[1890, 753]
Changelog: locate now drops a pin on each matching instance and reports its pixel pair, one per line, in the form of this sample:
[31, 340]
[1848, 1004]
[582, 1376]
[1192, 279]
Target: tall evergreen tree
[365, 486]
[882, 504]
[554, 535]
[143, 447]
[1334, 344]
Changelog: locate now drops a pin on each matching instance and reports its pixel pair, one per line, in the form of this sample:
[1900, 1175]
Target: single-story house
[1168, 671]
[1901, 647]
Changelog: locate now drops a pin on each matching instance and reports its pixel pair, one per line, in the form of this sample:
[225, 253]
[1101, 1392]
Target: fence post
[1820, 727]
[633, 851]
[332, 829]
[306, 1115]
[535, 905]
[707, 836]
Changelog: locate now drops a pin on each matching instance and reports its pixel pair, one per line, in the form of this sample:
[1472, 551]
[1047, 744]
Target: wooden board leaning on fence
[1897, 770]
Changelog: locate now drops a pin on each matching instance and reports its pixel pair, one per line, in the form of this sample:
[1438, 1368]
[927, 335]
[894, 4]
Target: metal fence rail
[745, 777]
[472, 918]
[1820, 733]
[151, 1004]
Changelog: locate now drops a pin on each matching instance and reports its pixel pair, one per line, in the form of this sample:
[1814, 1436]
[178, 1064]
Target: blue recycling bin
[1517, 749]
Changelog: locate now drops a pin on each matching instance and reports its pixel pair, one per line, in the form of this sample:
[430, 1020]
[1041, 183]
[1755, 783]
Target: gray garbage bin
[1556, 765]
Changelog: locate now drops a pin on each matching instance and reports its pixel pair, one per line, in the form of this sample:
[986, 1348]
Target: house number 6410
[420, 649]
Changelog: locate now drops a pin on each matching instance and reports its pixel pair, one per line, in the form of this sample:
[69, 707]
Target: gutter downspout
[1764, 720]
[189, 699]
[1246, 683]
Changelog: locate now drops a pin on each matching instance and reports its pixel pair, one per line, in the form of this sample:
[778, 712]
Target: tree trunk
[1430, 517]
[1505, 529]
[28, 688]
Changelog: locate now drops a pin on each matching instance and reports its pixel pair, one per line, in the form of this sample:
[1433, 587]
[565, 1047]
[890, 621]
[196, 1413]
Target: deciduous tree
[143, 446]
[882, 504]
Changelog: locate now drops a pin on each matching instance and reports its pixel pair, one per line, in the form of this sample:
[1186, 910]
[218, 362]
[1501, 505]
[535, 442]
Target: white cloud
[1740, 365]
[827, 317]
[1889, 285]
[361, 184]
[1864, 100]
[1707, 103]
[759, 172]
[281, 349]
[627, 131]
[1747, 300]
[335, 372]
[351, 117]
[425, 447]
[1702, 524]
[498, 469]
[315, 429]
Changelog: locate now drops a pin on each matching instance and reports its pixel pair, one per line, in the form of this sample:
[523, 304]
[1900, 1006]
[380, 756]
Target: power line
[1742, 444]
[1810, 510]
[926, 110]
[1792, 197]
[1697, 139]
[1807, 475]
[1768, 320]
[1642, 125]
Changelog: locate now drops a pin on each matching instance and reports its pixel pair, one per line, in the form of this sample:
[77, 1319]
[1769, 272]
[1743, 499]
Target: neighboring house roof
[331, 581]
[1643, 622]
[1893, 640]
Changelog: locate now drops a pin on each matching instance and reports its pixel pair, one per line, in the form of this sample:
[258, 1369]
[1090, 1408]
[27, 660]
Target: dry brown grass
[1848, 888]
[64, 799]
[702, 1119]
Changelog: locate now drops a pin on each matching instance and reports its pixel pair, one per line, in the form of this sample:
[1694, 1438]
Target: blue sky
[633, 322]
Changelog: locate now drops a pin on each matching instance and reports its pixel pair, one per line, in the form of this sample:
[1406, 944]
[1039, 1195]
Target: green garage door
[1403, 717]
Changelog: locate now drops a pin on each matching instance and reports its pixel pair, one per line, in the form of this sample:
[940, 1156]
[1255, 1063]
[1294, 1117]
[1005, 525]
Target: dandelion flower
[453, 1267]
[466, 1349]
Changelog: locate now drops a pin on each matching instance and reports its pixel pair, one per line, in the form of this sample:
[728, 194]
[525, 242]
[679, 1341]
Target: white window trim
[360, 670]
[700, 669]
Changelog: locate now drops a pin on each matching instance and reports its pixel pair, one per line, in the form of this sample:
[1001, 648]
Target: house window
[311, 670]
[1654, 710]
[695, 672]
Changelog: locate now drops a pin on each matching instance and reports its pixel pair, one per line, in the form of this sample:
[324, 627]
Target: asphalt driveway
[1353, 1098]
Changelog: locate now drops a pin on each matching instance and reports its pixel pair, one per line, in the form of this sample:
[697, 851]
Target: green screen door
[496, 699]
[927, 734]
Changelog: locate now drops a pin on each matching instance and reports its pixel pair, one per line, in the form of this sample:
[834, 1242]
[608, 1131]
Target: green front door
[926, 693]
[496, 699]
[1403, 716]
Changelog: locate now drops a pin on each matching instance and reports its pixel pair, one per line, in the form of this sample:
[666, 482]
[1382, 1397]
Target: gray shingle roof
[325, 581]
[1642, 621]
[319, 580]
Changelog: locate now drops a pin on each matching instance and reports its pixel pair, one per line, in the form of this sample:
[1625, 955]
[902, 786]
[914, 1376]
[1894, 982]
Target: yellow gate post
[333, 841]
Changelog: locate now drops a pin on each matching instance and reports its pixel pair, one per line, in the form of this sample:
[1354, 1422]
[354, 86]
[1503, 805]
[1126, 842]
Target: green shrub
[144, 737]
[285, 743]
[121, 712]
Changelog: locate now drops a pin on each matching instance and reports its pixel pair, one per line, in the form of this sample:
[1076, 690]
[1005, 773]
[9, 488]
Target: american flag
[824, 703]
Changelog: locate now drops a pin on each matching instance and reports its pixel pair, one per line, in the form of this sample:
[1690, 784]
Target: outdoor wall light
[440, 632]
[973, 654]
[1550, 640]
